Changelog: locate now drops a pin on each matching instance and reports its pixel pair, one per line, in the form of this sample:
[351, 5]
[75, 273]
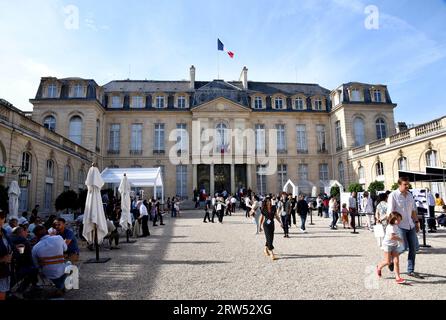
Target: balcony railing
[113, 151]
[136, 152]
[302, 151]
[400, 137]
[159, 151]
[428, 128]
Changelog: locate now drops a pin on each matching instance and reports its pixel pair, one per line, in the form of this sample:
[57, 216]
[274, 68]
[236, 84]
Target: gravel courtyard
[188, 259]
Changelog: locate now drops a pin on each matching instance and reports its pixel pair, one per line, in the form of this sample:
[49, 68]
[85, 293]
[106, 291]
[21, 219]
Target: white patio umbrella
[95, 223]
[124, 190]
[13, 194]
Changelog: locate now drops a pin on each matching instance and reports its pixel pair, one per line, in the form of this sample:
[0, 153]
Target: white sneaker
[303, 231]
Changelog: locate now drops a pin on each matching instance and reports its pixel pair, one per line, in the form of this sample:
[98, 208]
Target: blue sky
[324, 42]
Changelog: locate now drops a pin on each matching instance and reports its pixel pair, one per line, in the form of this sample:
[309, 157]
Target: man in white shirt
[431, 203]
[48, 254]
[367, 207]
[144, 218]
[248, 206]
[353, 209]
[401, 201]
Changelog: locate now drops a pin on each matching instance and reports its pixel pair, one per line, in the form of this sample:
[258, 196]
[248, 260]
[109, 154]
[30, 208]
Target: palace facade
[223, 135]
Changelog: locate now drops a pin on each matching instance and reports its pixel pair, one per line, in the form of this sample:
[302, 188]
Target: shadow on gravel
[427, 276]
[192, 262]
[433, 251]
[299, 256]
[194, 242]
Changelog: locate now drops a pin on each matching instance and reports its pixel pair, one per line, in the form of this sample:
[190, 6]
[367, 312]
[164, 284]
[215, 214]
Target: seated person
[37, 222]
[23, 263]
[442, 218]
[13, 222]
[72, 252]
[48, 255]
[24, 218]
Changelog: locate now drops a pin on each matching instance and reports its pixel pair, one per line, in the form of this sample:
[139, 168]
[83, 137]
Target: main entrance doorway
[222, 177]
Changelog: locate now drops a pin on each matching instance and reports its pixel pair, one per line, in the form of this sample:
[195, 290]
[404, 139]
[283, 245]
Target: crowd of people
[31, 247]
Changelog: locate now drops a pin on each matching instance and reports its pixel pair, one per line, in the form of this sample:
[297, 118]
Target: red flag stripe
[231, 54]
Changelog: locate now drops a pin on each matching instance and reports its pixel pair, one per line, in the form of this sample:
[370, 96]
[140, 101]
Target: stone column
[233, 178]
[212, 178]
[248, 177]
[194, 176]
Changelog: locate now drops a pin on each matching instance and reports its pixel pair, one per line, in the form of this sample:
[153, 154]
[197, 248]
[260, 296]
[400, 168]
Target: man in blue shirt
[72, 252]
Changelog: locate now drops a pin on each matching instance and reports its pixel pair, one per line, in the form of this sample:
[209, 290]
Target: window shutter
[126, 101]
[148, 101]
[288, 103]
[268, 103]
[105, 101]
[170, 101]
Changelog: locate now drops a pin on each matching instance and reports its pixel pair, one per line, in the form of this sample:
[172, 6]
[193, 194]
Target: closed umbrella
[126, 220]
[95, 223]
[13, 194]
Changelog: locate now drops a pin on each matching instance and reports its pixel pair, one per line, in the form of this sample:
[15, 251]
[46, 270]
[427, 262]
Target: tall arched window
[381, 129]
[50, 168]
[50, 123]
[359, 128]
[222, 137]
[67, 173]
[379, 169]
[341, 172]
[402, 164]
[361, 174]
[431, 158]
[75, 130]
[26, 162]
[98, 134]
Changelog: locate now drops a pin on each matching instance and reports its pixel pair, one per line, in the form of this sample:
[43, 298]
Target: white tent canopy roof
[137, 177]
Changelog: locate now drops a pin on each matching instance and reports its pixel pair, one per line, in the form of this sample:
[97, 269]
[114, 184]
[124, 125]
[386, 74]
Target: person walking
[285, 215]
[432, 224]
[214, 207]
[352, 209]
[367, 207]
[207, 207]
[381, 215]
[390, 247]
[319, 205]
[248, 206]
[220, 209]
[256, 213]
[267, 220]
[302, 209]
[293, 211]
[144, 218]
[344, 212]
[334, 208]
[401, 201]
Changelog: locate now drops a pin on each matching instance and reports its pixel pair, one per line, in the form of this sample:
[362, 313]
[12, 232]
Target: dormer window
[181, 102]
[258, 103]
[116, 102]
[51, 91]
[355, 95]
[299, 103]
[318, 104]
[336, 99]
[159, 102]
[377, 95]
[78, 91]
[278, 103]
[137, 102]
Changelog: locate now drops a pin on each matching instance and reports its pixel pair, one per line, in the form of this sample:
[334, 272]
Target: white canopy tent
[137, 177]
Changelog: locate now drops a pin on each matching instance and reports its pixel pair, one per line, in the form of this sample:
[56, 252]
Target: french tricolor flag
[221, 47]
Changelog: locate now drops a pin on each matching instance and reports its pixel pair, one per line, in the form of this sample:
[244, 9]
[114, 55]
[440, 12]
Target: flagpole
[218, 64]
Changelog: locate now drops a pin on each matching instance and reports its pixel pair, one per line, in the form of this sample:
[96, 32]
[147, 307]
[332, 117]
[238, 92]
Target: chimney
[244, 78]
[401, 126]
[192, 77]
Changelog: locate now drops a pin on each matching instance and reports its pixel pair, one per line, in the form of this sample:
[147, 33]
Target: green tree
[335, 191]
[355, 187]
[375, 186]
[81, 199]
[67, 200]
